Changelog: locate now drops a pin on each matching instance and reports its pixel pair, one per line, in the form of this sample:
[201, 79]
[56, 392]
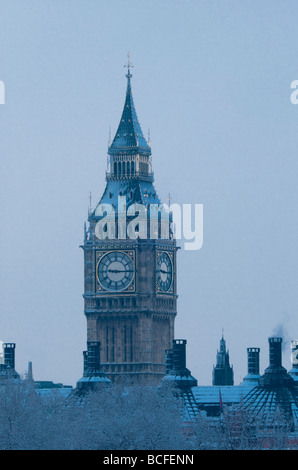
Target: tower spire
[129, 138]
[129, 65]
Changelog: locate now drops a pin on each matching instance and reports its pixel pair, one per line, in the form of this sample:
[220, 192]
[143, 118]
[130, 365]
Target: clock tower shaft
[130, 282]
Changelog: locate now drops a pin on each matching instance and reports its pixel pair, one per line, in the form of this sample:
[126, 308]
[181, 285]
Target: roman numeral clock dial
[115, 271]
[164, 272]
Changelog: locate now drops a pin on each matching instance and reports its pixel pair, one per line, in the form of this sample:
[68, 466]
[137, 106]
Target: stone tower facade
[130, 264]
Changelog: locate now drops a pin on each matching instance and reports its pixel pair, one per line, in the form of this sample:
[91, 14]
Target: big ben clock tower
[130, 281]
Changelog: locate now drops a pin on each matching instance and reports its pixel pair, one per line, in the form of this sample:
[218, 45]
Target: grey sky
[211, 79]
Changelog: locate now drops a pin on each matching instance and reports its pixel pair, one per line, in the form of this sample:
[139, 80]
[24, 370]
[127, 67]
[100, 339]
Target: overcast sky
[211, 79]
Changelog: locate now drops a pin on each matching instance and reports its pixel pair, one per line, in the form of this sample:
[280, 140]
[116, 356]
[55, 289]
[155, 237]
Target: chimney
[253, 361]
[253, 366]
[30, 372]
[179, 354]
[275, 375]
[275, 351]
[9, 355]
[169, 360]
[92, 375]
[93, 355]
[176, 365]
[85, 360]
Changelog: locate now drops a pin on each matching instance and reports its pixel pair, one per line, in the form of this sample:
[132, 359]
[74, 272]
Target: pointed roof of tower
[129, 137]
[222, 343]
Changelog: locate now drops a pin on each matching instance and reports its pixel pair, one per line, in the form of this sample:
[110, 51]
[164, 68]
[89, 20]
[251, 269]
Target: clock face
[164, 272]
[115, 271]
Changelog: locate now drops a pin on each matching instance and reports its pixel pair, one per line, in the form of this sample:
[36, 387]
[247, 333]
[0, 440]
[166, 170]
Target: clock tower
[130, 272]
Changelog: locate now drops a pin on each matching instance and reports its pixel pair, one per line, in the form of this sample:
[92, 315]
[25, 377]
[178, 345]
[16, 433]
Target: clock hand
[119, 271]
[163, 271]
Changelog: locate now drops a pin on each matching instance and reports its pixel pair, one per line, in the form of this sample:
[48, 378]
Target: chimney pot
[9, 355]
[179, 354]
[93, 355]
[275, 351]
[253, 361]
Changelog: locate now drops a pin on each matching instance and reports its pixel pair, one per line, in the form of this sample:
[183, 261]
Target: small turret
[223, 373]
